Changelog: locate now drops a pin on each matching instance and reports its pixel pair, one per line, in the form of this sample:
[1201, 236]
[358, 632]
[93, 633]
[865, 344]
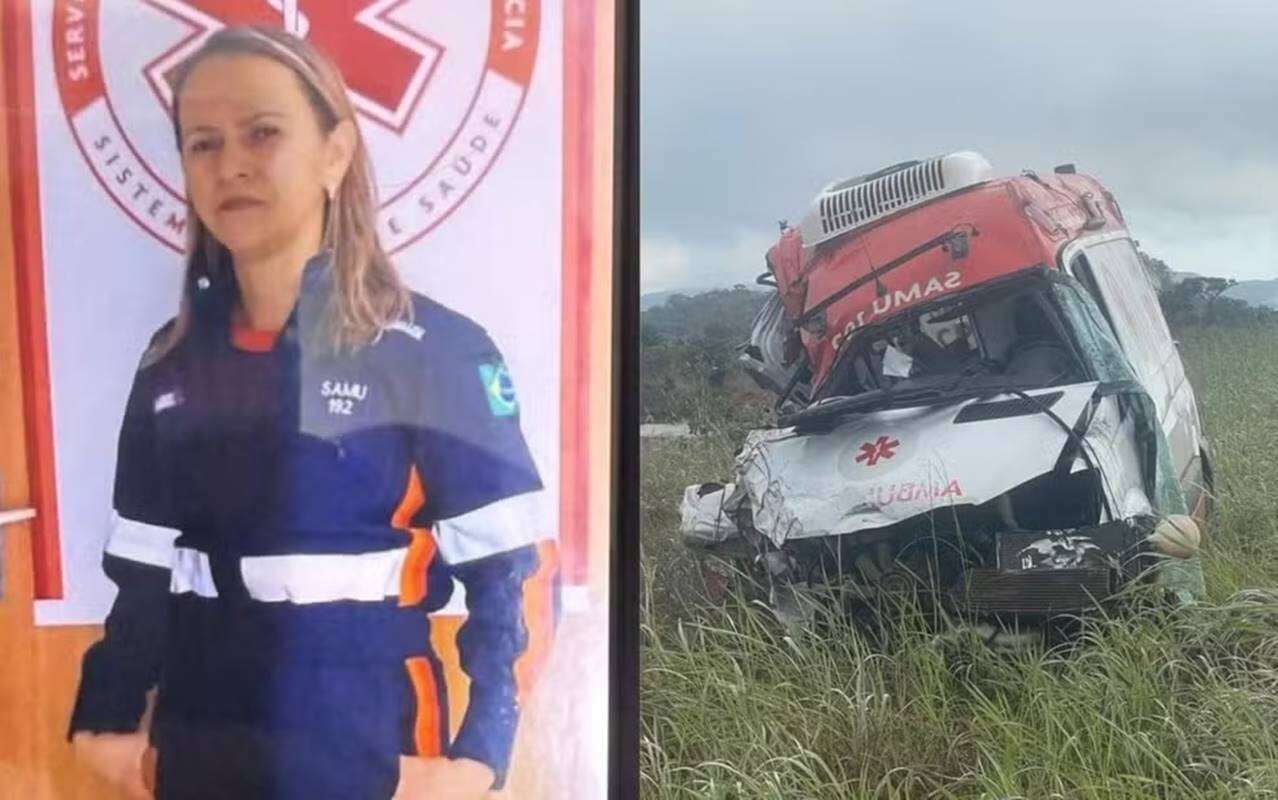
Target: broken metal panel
[880, 468]
[1161, 481]
[764, 357]
[1168, 491]
[1113, 445]
[707, 513]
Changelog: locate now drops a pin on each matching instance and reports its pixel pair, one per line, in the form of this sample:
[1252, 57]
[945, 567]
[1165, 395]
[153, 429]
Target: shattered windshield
[1009, 336]
[1112, 366]
[1092, 333]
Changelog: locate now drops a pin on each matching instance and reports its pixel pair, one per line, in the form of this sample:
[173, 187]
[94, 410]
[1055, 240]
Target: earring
[330, 224]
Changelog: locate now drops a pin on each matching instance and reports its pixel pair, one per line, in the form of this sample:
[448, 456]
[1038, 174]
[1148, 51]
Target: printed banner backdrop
[462, 106]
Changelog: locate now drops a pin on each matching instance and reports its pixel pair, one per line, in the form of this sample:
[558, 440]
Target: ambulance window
[1083, 272]
[1140, 296]
[1114, 275]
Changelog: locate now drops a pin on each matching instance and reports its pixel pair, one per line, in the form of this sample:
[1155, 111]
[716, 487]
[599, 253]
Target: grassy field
[1154, 705]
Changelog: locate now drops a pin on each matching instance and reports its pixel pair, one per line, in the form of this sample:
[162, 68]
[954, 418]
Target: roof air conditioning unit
[851, 204]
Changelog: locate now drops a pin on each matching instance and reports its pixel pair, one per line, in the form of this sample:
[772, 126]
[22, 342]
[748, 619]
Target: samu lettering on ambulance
[887, 494]
[342, 395]
[917, 291]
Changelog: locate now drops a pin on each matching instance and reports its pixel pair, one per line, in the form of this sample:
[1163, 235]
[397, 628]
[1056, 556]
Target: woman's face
[255, 160]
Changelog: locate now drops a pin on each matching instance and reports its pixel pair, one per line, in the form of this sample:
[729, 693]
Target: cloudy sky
[748, 107]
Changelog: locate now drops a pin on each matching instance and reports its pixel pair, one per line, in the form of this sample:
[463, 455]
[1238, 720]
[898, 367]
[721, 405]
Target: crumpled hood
[884, 467]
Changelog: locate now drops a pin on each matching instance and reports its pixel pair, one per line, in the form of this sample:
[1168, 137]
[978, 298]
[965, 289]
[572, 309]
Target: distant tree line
[688, 353]
[1197, 300]
[719, 315]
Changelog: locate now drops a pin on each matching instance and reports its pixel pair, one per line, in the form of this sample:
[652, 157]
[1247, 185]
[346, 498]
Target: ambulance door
[1110, 268]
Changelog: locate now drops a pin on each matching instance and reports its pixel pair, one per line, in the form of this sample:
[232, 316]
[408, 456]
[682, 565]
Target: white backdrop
[109, 282]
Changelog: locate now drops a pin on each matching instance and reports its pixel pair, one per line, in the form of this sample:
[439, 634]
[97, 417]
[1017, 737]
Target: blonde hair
[367, 294]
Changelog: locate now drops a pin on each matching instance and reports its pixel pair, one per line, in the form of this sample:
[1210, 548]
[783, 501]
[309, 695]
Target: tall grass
[1150, 704]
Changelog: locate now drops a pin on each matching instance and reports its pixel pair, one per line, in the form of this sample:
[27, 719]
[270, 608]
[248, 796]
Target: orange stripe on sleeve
[426, 733]
[413, 500]
[412, 582]
[443, 643]
[539, 617]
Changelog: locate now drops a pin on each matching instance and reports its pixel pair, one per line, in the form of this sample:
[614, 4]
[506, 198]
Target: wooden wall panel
[39, 667]
[17, 668]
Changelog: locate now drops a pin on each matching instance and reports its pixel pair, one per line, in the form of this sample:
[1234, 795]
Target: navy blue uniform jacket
[284, 522]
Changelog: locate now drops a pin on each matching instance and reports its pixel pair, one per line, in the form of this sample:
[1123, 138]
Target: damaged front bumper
[990, 507]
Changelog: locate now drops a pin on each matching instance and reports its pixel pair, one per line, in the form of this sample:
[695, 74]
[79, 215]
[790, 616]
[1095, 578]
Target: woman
[309, 456]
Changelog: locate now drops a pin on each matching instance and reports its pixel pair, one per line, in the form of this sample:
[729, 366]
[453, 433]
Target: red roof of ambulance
[1019, 223]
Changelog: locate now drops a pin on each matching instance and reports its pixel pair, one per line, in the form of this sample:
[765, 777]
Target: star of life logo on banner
[437, 87]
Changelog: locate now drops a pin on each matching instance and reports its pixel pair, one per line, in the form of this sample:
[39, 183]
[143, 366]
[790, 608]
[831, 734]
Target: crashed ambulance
[979, 403]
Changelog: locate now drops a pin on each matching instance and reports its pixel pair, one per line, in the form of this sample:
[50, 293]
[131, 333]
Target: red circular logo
[437, 95]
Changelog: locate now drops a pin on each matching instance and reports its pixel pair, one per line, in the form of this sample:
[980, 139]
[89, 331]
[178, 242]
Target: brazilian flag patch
[499, 389]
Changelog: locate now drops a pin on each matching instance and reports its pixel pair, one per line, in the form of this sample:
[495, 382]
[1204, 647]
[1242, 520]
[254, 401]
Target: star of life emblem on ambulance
[437, 95]
[881, 448]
